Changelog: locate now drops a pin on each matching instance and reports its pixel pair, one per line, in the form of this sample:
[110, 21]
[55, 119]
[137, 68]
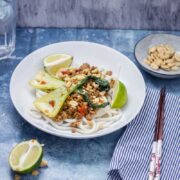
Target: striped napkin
[132, 154]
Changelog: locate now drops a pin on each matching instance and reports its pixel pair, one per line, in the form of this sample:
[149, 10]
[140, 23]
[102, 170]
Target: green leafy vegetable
[103, 86]
[91, 104]
[103, 83]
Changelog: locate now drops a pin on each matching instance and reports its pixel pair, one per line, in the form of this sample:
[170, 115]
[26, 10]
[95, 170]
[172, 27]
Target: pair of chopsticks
[154, 170]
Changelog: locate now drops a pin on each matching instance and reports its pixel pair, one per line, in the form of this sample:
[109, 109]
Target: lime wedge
[119, 97]
[54, 62]
[26, 156]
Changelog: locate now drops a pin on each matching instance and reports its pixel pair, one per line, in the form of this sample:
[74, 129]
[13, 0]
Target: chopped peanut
[35, 173]
[44, 163]
[17, 177]
[75, 107]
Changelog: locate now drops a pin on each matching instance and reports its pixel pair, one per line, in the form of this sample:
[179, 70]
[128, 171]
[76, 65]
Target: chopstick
[160, 135]
[154, 170]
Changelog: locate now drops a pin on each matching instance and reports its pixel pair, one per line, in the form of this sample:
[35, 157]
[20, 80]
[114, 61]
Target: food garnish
[119, 97]
[84, 100]
[55, 62]
[26, 156]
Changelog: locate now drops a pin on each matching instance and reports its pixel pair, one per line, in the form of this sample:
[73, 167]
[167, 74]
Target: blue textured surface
[68, 159]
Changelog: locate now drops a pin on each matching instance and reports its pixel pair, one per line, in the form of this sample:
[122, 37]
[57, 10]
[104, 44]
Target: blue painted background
[68, 159]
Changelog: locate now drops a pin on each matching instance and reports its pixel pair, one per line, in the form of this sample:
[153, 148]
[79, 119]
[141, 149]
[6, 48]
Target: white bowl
[95, 54]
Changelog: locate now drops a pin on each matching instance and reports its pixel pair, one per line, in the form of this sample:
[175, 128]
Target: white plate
[95, 54]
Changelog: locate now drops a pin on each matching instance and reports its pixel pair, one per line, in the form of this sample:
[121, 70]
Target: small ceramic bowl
[143, 45]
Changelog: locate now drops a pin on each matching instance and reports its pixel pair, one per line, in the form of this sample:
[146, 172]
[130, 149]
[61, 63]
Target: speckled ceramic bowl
[151, 40]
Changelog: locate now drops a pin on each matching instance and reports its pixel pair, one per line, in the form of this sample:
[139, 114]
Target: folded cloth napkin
[132, 154]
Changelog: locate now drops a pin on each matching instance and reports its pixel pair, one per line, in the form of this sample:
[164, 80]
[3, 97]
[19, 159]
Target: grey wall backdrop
[123, 14]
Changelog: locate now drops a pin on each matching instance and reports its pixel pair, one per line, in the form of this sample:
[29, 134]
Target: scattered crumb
[17, 177]
[35, 173]
[44, 163]
[33, 140]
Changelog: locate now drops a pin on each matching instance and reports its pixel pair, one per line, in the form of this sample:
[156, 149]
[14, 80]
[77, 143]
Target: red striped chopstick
[154, 170]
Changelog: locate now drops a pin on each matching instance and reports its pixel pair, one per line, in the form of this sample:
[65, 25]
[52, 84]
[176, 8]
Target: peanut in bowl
[163, 56]
[159, 55]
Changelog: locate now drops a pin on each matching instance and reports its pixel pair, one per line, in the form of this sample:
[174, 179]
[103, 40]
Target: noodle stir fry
[78, 99]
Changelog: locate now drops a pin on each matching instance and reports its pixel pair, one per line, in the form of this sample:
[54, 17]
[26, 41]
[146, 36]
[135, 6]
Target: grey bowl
[141, 49]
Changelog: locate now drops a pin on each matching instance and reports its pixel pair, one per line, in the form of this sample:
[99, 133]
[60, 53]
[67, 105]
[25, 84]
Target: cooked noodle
[99, 122]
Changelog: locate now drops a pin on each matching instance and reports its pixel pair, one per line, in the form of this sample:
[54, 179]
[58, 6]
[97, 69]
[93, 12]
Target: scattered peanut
[43, 163]
[163, 57]
[35, 173]
[17, 177]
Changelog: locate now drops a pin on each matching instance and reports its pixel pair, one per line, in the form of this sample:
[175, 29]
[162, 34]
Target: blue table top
[68, 159]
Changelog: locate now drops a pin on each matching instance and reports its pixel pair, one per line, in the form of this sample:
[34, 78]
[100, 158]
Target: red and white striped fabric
[132, 154]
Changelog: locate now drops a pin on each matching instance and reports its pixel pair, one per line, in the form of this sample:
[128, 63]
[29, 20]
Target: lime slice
[119, 97]
[54, 62]
[26, 156]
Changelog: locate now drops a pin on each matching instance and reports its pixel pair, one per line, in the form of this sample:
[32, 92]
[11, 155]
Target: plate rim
[88, 136]
[177, 75]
